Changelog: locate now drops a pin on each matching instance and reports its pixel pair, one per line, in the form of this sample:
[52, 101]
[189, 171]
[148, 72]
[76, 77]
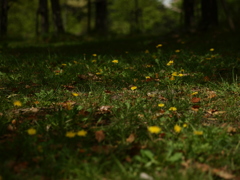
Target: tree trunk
[89, 12]
[227, 12]
[57, 16]
[135, 26]
[3, 17]
[43, 13]
[188, 10]
[101, 16]
[209, 11]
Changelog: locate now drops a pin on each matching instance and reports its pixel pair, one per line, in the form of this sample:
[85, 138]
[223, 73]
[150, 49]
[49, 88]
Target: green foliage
[153, 17]
[22, 18]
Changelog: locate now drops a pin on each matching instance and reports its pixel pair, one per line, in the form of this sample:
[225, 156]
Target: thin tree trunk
[209, 10]
[135, 18]
[3, 17]
[89, 13]
[229, 18]
[101, 16]
[188, 10]
[43, 13]
[136, 15]
[57, 16]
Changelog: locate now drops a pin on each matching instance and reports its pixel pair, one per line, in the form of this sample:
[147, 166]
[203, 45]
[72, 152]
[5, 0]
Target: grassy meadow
[150, 107]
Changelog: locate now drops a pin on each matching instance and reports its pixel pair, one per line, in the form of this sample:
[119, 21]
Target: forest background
[119, 89]
[24, 19]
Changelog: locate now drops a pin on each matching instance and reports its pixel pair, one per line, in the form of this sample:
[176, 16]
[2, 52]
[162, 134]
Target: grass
[92, 110]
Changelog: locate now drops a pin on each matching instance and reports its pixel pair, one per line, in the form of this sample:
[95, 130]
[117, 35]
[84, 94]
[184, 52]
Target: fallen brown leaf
[195, 107]
[231, 129]
[212, 119]
[211, 94]
[105, 108]
[83, 112]
[218, 172]
[195, 100]
[219, 112]
[223, 174]
[11, 127]
[131, 138]
[69, 87]
[99, 135]
[67, 104]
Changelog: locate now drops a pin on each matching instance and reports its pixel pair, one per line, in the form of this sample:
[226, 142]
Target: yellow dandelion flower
[17, 103]
[199, 133]
[154, 129]
[180, 75]
[185, 125]
[177, 51]
[98, 73]
[170, 63]
[133, 88]
[159, 45]
[177, 128]
[64, 64]
[212, 49]
[172, 78]
[75, 94]
[31, 131]
[172, 109]
[82, 133]
[94, 55]
[194, 93]
[161, 105]
[70, 134]
[115, 61]
[94, 60]
[174, 74]
[148, 65]
[147, 77]
[147, 51]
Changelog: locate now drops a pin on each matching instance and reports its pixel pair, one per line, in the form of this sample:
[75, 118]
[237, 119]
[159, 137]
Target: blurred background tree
[25, 19]
[3, 17]
[42, 14]
[57, 16]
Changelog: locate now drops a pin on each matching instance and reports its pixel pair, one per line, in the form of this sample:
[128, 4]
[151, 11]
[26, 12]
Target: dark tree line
[209, 15]
[3, 17]
[43, 15]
